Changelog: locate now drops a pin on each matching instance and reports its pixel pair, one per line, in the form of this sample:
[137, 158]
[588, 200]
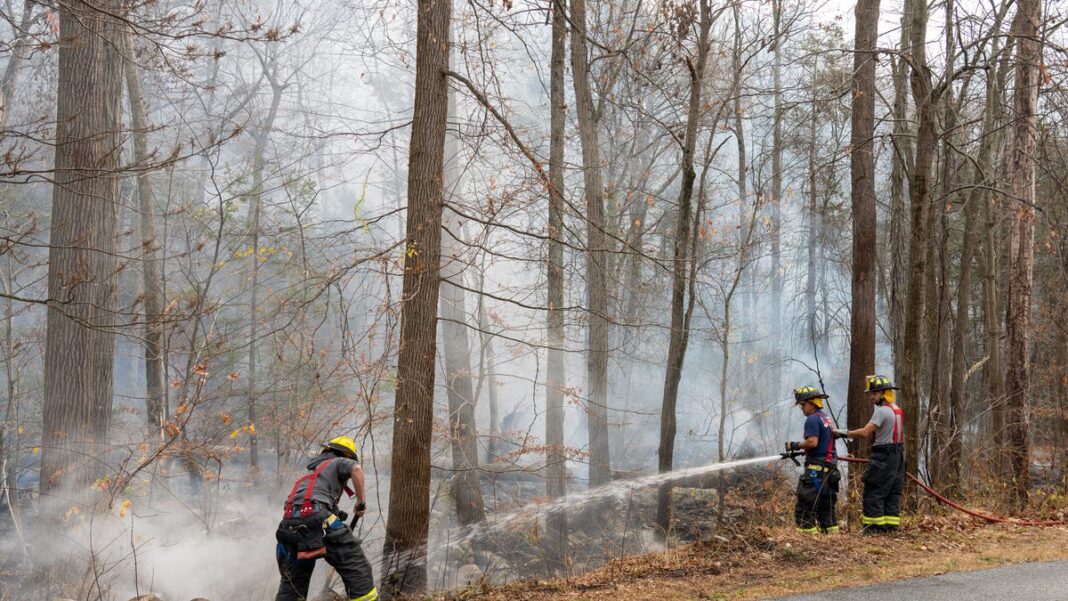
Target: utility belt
[307, 534]
[888, 448]
[341, 515]
[823, 475]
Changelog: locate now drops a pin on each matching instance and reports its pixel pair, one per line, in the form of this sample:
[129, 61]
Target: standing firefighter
[885, 475]
[817, 489]
[313, 526]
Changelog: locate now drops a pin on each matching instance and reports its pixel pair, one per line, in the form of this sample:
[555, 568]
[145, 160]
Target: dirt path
[769, 563]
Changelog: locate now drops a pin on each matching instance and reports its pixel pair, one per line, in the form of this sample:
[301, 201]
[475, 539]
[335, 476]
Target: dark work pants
[883, 481]
[343, 552]
[817, 495]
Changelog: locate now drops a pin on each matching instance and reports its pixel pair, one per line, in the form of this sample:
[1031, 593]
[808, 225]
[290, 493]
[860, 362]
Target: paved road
[1046, 581]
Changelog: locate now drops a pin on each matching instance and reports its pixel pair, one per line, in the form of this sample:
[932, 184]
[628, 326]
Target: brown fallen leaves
[764, 562]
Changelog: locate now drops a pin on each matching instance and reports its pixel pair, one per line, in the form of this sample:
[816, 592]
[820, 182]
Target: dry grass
[766, 562]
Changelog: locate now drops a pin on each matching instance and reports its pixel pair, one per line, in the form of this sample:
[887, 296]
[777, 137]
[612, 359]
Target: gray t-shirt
[884, 419]
[331, 481]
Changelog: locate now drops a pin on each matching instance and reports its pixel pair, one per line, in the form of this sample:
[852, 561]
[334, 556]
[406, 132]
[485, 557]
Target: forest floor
[768, 562]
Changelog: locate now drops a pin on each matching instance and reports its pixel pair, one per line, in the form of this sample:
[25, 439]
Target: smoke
[167, 548]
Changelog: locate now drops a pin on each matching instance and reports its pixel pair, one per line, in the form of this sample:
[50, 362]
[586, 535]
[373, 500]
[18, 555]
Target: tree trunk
[597, 361]
[777, 277]
[901, 163]
[815, 221]
[465, 486]
[680, 333]
[408, 521]
[940, 407]
[259, 165]
[951, 462]
[911, 367]
[9, 460]
[153, 283]
[862, 192]
[978, 194]
[992, 316]
[1022, 244]
[993, 313]
[555, 459]
[487, 373]
[80, 342]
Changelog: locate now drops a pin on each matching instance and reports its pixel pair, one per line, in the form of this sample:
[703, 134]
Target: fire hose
[995, 519]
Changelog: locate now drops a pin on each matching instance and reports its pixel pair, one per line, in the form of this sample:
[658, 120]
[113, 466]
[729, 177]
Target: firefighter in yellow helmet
[817, 488]
[313, 526]
[885, 475]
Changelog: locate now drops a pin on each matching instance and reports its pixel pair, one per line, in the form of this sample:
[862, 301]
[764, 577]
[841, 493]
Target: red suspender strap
[898, 416]
[830, 437]
[306, 503]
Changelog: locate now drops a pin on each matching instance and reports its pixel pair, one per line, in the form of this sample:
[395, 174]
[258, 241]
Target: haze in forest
[516, 251]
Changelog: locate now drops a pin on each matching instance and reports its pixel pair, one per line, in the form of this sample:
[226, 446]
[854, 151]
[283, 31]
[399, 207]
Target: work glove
[841, 434]
[793, 446]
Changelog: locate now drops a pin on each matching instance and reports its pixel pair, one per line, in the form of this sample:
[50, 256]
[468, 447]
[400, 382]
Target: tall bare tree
[80, 341]
[681, 259]
[465, 487]
[150, 246]
[911, 366]
[408, 521]
[1026, 31]
[775, 202]
[862, 194]
[555, 459]
[596, 246]
[901, 163]
[255, 218]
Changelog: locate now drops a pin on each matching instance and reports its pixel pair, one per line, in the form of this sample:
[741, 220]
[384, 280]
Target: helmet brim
[339, 449]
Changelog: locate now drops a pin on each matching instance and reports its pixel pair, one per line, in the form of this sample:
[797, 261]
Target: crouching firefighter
[313, 526]
[817, 489]
[885, 476]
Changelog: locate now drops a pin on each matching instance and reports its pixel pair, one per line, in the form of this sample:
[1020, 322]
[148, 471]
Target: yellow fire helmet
[343, 445]
[810, 395]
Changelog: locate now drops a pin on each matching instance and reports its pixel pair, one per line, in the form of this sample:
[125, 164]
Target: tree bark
[555, 459]
[815, 219]
[993, 315]
[680, 334]
[777, 276]
[408, 521]
[597, 361]
[862, 193]
[983, 181]
[80, 342]
[951, 470]
[911, 367]
[150, 272]
[259, 165]
[487, 373]
[1022, 244]
[901, 163]
[940, 408]
[463, 437]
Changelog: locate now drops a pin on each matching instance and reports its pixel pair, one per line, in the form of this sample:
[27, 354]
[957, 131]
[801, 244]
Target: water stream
[497, 525]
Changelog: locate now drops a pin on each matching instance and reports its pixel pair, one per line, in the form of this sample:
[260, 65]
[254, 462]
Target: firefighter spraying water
[817, 488]
[313, 526]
